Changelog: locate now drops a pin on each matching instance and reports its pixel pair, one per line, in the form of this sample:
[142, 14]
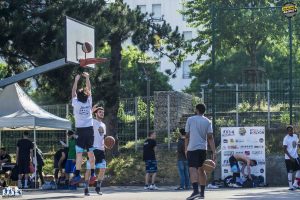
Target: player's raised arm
[87, 82]
[74, 88]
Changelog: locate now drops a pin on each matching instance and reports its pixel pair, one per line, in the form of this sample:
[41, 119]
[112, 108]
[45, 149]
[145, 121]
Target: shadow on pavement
[269, 195]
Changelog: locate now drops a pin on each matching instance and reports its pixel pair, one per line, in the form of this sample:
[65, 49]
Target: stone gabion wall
[180, 103]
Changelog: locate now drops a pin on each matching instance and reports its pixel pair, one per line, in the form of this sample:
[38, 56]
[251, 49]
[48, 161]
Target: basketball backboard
[77, 33]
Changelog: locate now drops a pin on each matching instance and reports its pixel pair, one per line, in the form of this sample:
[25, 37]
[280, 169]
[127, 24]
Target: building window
[156, 10]
[187, 35]
[186, 73]
[142, 8]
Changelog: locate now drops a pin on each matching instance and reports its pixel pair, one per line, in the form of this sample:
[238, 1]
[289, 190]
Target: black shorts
[85, 138]
[292, 166]
[99, 156]
[63, 164]
[196, 158]
[23, 166]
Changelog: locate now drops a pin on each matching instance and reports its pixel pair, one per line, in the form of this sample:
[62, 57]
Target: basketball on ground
[87, 47]
[209, 166]
[109, 142]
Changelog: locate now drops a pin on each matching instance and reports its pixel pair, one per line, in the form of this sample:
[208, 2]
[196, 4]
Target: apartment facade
[169, 10]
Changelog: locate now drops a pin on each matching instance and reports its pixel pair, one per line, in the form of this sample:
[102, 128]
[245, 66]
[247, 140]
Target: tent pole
[35, 159]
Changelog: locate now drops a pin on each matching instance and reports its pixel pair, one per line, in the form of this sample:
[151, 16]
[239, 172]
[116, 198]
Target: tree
[3, 70]
[41, 23]
[241, 35]
[133, 77]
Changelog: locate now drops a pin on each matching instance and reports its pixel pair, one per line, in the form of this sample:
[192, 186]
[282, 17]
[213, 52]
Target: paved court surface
[165, 193]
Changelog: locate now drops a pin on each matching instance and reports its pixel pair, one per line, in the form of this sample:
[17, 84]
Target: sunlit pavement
[164, 193]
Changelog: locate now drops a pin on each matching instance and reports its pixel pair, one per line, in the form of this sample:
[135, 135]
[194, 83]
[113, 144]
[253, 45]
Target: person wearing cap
[71, 160]
[292, 160]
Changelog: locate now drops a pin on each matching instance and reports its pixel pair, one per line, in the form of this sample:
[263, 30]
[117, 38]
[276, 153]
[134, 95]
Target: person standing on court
[150, 160]
[82, 109]
[99, 148]
[24, 156]
[71, 159]
[182, 163]
[292, 160]
[199, 132]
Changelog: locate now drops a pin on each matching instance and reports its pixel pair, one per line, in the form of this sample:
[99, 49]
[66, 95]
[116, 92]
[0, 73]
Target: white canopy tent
[19, 112]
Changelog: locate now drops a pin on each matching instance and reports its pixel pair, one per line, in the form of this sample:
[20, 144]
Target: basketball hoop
[88, 61]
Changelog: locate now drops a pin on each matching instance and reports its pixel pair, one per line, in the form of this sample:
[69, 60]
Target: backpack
[248, 183]
[257, 181]
[227, 180]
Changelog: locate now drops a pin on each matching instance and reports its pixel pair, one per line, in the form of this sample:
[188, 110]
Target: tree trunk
[112, 103]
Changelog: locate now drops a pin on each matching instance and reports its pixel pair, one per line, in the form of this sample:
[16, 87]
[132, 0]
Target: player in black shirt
[24, 156]
[150, 160]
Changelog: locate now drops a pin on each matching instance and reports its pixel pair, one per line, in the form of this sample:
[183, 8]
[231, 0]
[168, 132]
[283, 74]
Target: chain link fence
[47, 141]
[243, 105]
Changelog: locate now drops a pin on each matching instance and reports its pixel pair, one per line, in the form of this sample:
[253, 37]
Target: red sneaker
[92, 180]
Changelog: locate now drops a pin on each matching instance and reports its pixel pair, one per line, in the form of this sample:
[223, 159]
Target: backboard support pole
[33, 72]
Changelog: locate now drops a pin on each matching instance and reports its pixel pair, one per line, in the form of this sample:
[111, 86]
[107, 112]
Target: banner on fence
[249, 141]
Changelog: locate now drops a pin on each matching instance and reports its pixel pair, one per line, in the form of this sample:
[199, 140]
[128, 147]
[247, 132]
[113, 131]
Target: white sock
[290, 179]
[297, 174]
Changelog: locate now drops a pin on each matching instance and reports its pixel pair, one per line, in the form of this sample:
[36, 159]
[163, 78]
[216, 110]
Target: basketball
[209, 166]
[87, 47]
[109, 142]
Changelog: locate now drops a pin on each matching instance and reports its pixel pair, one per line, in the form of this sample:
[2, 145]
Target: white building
[169, 10]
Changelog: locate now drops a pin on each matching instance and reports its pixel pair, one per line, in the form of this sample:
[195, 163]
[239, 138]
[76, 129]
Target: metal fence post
[135, 122]
[269, 103]
[237, 104]
[168, 122]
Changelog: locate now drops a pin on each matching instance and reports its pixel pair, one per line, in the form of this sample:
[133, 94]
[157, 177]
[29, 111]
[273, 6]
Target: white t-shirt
[82, 112]
[292, 145]
[99, 133]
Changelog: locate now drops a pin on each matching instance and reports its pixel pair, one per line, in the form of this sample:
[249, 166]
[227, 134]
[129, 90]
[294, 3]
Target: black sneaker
[97, 189]
[193, 196]
[86, 192]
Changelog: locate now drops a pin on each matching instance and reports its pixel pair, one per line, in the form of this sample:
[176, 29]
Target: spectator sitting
[4, 156]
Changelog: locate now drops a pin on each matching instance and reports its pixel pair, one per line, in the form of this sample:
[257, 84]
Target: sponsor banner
[249, 141]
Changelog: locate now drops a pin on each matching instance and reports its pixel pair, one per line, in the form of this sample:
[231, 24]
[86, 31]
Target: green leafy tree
[33, 34]
[3, 70]
[244, 38]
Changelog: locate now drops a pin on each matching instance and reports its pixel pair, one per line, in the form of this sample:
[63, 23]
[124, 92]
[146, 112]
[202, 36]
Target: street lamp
[146, 71]
[290, 10]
